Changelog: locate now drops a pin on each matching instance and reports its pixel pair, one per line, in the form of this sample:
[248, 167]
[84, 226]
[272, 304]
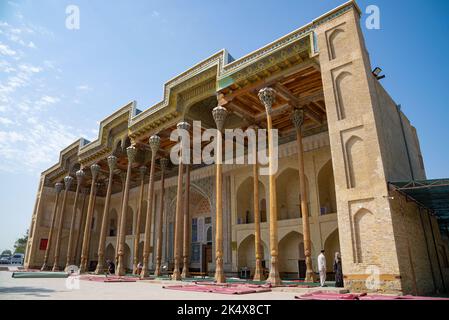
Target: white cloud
[6, 50]
[6, 121]
[47, 100]
[155, 13]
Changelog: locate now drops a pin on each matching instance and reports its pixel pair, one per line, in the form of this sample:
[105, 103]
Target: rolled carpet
[40, 275]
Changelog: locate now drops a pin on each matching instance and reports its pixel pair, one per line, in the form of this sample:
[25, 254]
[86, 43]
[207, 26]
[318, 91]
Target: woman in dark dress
[338, 271]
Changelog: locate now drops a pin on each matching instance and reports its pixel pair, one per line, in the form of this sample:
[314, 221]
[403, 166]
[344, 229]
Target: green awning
[430, 194]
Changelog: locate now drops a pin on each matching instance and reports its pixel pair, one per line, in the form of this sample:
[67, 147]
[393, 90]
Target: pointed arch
[343, 88]
[355, 153]
[288, 196]
[245, 201]
[336, 43]
[364, 225]
[326, 189]
[291, 249]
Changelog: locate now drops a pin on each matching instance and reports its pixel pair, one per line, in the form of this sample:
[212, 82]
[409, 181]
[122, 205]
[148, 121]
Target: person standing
[322, 268]
[338, 271]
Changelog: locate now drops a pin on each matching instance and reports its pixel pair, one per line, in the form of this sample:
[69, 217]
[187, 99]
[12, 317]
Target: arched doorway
[331, 245]
[326, 188]
[245, 202]
[291, 256]
[112, 225]
[247, 253]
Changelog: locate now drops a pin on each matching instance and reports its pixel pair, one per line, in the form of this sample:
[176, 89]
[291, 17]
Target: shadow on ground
[29, 291]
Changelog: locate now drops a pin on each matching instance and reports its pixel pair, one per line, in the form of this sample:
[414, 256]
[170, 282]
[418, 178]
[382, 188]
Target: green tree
[6, 252]
[20, 244]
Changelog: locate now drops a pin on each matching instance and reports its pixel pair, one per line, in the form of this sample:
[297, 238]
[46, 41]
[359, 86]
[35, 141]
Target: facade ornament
[80, 176]
[95, 168]
[267, 96]
[58, 187]
[183, 125]
[219, 113]
[68, 182]
[112, 162]
[298, 118]
[155, 142]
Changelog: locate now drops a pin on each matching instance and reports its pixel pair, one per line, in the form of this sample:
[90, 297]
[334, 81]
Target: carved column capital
[298, 118]
[112, 163]
[95, 168]
[80, 176]
[131, 152]
[267, 96]
[58, 187]
[220, 113]
[68, 182]
[183, 125]
[155, 142]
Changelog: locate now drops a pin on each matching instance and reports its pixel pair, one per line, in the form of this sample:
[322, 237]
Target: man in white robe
[322, 268]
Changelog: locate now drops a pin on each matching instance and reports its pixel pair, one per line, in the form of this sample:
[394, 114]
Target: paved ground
[12, 288]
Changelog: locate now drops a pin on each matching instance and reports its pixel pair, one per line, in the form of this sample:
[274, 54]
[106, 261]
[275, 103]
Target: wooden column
[219, 113]
[79, 181]
[112, 163]
[131, 151]
[154, 142]
[142, 171]
[58, 188]
[119, 216]
[79, 240]
[298, 120]
[258, 272]
[157, 271]
[95, 168]
[67, 182]
[186, 248]
[179, 216]
[267, 96]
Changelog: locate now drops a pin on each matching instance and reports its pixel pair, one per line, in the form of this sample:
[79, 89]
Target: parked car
[17, 258]
[5, 259]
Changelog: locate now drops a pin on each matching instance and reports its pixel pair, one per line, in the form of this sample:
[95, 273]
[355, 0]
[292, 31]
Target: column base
[258, 273]
[100, 269]
[219, 273]
[185, 270]
[274, 277]
[310, 277]
[176, 275]
[44, 267]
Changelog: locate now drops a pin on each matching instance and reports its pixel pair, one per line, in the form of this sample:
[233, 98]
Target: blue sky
[56, 84]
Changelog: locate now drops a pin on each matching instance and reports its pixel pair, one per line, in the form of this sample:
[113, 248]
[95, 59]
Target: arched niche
[343, 87]
[337, 45]
[247, 253]
[326, 189]
[288, 196]
[110, 252]
[245, 201]
[356, 158]
[364, 226]
[291, 249]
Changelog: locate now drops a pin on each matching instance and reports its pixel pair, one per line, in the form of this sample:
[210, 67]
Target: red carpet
[222, 289]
